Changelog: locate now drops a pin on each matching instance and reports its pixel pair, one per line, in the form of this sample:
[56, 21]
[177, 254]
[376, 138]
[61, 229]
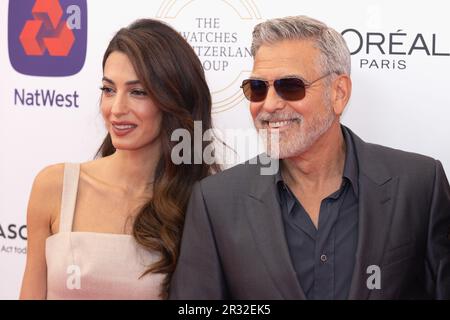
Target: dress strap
[69, 196]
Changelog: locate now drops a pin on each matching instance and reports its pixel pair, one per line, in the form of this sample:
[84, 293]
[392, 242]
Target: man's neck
[319, 168]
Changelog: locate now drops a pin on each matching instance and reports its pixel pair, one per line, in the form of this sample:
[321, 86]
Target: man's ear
[342, 89]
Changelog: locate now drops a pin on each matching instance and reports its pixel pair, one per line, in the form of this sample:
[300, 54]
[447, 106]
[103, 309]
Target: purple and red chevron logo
[58, 44]
[47, 37]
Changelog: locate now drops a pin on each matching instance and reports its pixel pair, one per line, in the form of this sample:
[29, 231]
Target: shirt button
[323, 258]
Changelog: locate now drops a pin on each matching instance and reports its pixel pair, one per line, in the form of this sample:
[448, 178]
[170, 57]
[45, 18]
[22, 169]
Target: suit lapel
[377, 189]
[375, 216]
[264, 217]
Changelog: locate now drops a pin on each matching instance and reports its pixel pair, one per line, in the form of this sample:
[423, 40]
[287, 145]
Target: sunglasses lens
[254, 90]
[290, 89]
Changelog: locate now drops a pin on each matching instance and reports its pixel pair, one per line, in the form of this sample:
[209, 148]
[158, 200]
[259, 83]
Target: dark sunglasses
[290, 89]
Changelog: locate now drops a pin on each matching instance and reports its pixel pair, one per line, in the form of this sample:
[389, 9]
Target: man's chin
[285, 153]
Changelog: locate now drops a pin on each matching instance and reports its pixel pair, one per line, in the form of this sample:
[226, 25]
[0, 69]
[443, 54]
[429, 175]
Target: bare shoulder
[49, 179]
[45, 197]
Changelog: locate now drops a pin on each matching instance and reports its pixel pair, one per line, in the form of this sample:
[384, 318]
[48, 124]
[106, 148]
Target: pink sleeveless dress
[90, 265]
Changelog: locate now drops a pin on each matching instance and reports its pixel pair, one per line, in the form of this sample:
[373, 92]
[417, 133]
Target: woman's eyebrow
[131, 82]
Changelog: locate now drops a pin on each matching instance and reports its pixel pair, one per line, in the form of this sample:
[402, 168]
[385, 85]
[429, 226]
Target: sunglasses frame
[279, 92]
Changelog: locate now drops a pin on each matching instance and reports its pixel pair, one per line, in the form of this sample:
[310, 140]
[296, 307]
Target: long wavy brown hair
[170, 71]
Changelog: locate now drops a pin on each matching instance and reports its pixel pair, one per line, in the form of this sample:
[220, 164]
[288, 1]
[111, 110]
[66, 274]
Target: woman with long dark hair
[110, 228]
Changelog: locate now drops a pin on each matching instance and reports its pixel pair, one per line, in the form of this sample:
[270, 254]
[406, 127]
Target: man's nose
[273, 101]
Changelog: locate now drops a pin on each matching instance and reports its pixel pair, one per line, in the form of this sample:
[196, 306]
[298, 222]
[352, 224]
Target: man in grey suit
[341, 219]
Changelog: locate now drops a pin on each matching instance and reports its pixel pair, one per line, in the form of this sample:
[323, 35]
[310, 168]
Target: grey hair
[335, 55]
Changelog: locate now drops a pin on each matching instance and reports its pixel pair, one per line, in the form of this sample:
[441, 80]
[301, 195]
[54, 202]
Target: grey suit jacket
[233, 244]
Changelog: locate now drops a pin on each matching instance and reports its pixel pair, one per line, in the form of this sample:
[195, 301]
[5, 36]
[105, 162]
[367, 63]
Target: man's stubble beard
[299, 137]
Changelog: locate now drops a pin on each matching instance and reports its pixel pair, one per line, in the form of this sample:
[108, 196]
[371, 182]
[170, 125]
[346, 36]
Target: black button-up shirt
[324, 258]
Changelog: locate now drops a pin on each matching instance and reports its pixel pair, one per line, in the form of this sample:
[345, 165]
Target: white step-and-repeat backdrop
[49, 106]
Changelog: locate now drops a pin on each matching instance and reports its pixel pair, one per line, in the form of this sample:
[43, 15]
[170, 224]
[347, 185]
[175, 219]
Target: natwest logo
[47, 37]
[61, 38]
